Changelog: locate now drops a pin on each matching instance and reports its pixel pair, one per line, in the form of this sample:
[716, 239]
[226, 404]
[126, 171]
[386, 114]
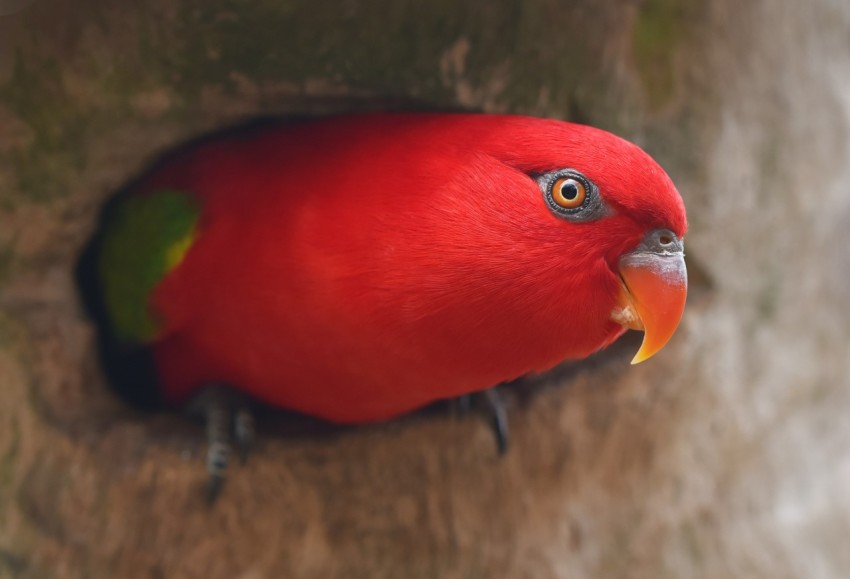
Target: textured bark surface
[725, 456]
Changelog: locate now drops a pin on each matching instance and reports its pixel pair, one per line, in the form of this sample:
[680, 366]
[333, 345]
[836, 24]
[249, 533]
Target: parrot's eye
[569, 193]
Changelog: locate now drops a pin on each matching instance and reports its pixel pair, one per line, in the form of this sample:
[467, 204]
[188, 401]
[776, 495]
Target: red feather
[359, 267]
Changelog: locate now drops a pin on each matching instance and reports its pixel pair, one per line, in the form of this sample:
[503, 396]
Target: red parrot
[358, 267]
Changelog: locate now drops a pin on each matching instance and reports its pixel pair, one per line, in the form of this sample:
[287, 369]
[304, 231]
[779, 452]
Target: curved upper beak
[655, 286]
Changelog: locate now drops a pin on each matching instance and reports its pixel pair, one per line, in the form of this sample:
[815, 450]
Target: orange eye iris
[569, 193]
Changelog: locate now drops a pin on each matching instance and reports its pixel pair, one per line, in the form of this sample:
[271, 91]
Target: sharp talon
[499, 419]
[243, 431]
[495, 410]
[216, 469]
[217, 458]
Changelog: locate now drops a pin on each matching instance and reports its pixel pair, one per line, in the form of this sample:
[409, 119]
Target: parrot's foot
[227, 416]
[494, 407]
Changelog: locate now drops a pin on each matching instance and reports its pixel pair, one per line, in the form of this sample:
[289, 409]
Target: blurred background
[725, 456]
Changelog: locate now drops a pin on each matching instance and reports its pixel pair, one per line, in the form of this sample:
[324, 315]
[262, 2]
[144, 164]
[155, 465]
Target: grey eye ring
[571, 195]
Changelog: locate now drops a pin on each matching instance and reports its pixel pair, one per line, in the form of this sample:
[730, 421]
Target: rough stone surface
[726, 456]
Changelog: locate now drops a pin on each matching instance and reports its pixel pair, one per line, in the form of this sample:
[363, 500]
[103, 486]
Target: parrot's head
[606, 208]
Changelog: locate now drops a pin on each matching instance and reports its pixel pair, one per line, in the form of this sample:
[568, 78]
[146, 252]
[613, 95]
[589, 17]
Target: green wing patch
[146, 238]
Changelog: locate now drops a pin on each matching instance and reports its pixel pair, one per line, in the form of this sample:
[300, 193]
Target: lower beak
[655, 286]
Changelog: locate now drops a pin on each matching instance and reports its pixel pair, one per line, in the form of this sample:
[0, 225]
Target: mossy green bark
[545, 57]
[660, 28]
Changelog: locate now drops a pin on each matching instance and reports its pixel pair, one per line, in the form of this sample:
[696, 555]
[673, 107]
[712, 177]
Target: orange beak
[655, 286]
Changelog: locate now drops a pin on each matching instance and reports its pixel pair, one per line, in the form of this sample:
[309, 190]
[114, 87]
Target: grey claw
[243, 430]
[217, 456]
[499, 419]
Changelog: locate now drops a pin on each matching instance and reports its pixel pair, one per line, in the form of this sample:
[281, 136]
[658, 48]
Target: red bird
[356, 268]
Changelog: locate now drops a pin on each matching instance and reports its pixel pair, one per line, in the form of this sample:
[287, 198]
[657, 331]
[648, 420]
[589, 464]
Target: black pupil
[569, 190]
